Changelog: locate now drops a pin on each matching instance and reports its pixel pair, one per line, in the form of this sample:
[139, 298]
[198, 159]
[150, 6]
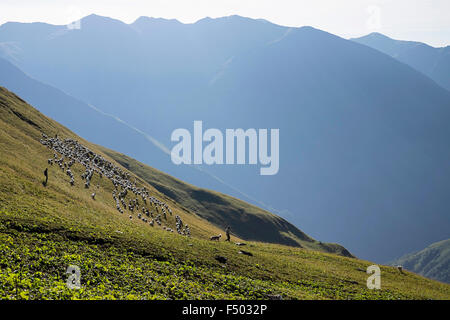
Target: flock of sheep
[71, 151]
[148, 209]
[68, 151]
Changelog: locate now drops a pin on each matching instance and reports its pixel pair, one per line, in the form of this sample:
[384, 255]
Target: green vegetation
[247, 221]
[43, 230]
[432, 262]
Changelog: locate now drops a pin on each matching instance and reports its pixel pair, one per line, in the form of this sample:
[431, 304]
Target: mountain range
[431, 61]
[219, 209]
[50, 226]
[363, 136]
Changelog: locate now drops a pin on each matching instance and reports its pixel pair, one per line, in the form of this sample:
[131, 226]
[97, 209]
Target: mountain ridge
[222, 210]
[318, 89]
[432, 262]
[431, 61]
[53, 225]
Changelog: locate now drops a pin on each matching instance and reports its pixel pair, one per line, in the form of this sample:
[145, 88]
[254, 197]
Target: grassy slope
[432, 262]
[45, 229]
[246, 221]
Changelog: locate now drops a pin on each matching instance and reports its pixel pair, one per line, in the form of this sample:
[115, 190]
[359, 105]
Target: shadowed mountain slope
[432, 262]
[363, 137]
[247, 221]
[433, 62]
[45, 229]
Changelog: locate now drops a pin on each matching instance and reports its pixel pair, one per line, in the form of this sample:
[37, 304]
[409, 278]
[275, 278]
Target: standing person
[227, 231]
[46, 176]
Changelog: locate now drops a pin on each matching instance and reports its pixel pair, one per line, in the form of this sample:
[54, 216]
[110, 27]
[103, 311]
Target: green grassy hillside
[44, 229]
[432, 262]
[247, 221]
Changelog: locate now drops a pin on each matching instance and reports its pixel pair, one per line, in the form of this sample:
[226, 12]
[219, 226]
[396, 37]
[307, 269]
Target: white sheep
[216, 238]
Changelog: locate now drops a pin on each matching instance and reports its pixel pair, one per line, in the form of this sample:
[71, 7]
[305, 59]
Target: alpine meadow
[45, 229]
[225, 159]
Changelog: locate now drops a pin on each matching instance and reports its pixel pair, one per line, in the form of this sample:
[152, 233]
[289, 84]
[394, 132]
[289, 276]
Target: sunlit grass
[43, 230]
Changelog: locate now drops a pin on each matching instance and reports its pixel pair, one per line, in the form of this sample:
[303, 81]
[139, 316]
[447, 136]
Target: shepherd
[227, 231]
[46, 176]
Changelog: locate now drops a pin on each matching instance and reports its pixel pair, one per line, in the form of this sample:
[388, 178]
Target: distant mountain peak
[145, 20]
[377, 35]
[95, 20]
[309, 33]
[230, 18]
[432, 61]
[381, 37]
[95, 17]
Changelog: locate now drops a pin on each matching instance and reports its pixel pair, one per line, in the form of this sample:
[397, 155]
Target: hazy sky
[421, 20]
